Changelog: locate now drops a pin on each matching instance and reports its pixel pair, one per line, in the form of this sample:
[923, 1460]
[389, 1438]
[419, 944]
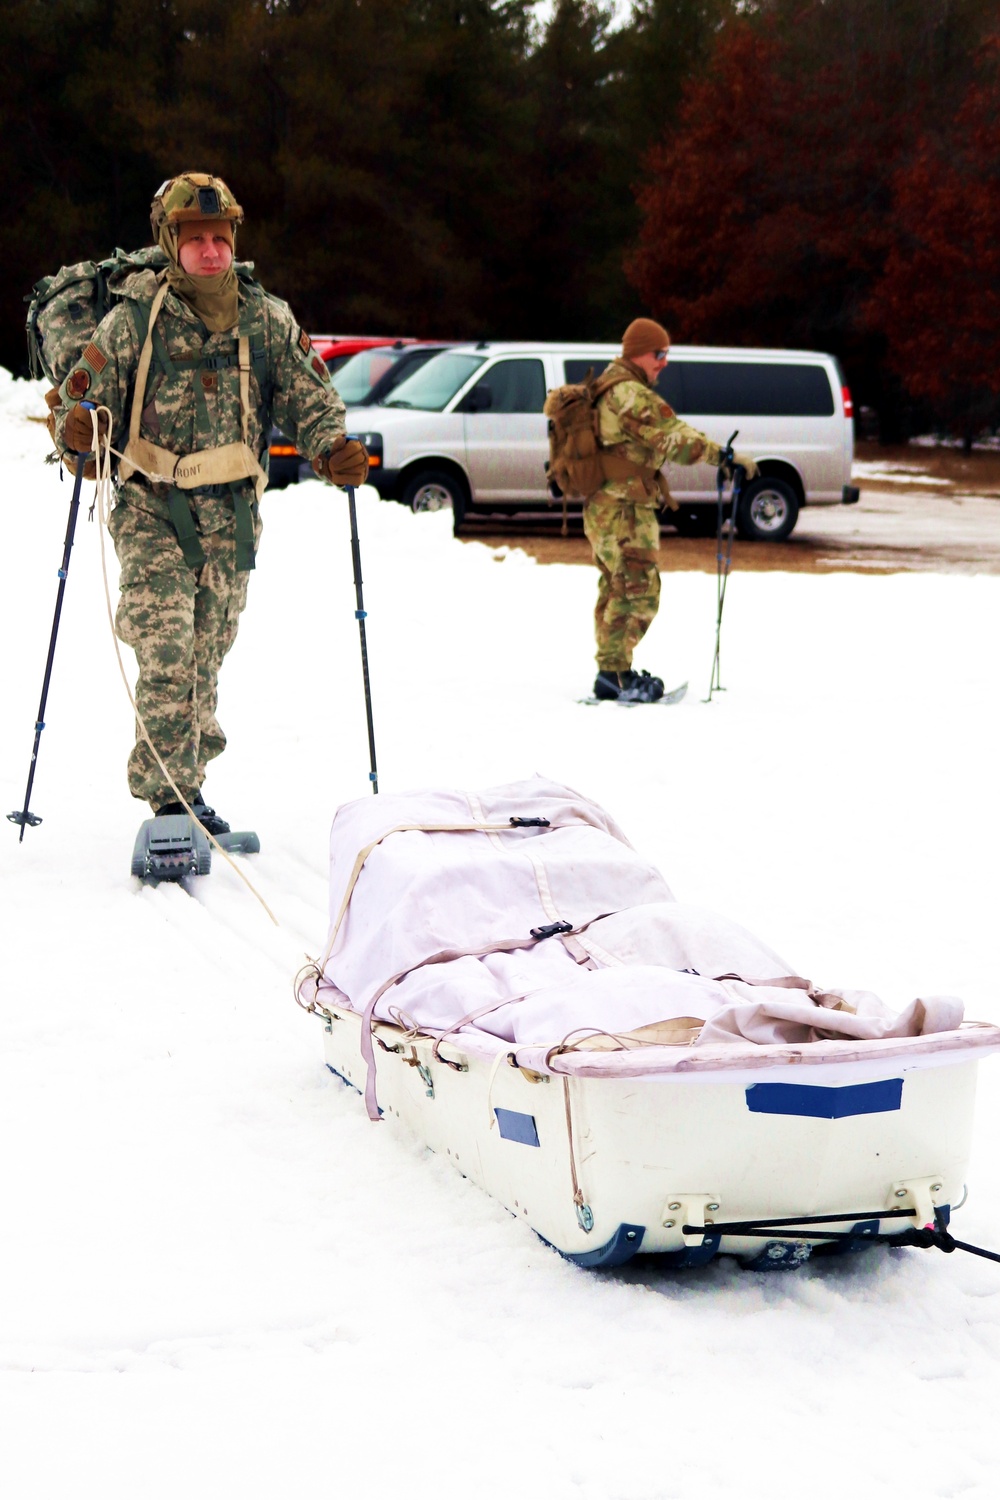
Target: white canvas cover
[434, 896]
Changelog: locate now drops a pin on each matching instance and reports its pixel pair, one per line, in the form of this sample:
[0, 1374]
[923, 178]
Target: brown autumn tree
[767, 210]
[937, 302]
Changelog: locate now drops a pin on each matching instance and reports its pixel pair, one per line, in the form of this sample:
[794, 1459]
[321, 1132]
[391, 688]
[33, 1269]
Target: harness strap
[183, 521]
[142, 374]
[230, 464]
[245, 556]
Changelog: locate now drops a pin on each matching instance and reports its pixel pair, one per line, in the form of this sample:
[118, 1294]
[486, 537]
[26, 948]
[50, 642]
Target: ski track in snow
[218, 1276]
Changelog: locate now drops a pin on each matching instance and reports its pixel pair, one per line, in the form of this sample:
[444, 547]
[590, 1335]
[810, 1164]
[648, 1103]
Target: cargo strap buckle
[553, 929]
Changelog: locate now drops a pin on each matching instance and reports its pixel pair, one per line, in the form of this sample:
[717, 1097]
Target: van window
[432, 386]
[716, 388]
[515, 385]
[668, 385]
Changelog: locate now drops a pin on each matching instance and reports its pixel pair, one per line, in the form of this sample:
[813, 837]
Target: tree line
[811, 173]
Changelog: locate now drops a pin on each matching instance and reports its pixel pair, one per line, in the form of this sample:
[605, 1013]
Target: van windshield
[358, 374]
[432, 386]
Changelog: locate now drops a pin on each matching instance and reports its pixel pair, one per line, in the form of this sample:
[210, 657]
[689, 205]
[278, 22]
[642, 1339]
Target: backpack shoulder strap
[607, 383]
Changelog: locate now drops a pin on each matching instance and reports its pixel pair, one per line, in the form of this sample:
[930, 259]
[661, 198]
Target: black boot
[207, 816]
[608, 684]
[628, 687]
[640, 687]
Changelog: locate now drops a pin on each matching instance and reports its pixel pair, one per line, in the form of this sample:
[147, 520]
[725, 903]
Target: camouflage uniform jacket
[635, 422]
[192, 398]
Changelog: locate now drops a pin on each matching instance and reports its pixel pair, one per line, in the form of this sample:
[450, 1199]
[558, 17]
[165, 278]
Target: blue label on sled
[825, 1103]
[517, 1127]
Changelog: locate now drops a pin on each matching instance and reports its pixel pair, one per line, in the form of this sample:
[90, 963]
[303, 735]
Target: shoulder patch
[320, 370]
[305, 342]
[666, 411]
[94, 357]
[78, 384]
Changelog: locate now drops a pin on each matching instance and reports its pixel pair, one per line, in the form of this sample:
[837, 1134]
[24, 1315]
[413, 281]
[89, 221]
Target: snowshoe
[172, 845]
[631, 688]
[665, 700]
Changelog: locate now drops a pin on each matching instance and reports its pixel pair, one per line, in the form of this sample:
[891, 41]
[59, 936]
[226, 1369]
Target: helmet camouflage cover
[193, 195]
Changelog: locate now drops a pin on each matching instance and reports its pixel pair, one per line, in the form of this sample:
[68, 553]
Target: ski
[172, 848]
[674, 696]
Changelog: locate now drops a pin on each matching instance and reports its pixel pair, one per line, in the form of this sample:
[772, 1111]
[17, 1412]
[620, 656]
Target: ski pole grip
[88, 406]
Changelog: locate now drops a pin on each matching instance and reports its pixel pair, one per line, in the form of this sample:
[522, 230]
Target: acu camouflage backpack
[577, 464]
[65, 309]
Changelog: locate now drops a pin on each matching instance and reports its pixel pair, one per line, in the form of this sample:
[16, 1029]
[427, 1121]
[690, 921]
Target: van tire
[433, 489]
[768, 510]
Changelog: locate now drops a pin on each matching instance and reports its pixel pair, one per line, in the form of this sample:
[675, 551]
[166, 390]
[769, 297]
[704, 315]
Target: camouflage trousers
[180, 624]
[626, 540]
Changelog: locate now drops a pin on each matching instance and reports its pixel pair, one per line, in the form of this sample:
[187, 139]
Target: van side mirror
[480, 398]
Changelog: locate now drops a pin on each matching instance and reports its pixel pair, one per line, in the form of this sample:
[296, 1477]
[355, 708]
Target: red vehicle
[335, 348]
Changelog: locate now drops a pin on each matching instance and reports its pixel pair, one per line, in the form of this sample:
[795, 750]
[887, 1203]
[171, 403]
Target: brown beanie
[188, 228]
[643, 336]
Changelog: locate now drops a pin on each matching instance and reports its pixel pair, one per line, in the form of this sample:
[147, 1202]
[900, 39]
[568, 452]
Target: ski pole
[24, 817]
[723, 561]
[361, 614]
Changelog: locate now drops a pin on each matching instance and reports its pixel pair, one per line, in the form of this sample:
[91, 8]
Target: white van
[467, 430]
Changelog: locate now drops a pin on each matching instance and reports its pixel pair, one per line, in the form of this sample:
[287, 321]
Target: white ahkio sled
[511, 981]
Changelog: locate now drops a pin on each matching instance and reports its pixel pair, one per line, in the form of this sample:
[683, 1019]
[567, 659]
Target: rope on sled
[102, 501]
[936, 1237]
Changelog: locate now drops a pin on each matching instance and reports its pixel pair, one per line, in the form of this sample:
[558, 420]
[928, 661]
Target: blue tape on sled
[517, 1127]
[824, 1103]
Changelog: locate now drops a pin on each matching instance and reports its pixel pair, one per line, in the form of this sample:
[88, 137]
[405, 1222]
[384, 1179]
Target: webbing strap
[480, 826]
[244, 352]
[245, 556]
[145, 359]
[229, 463]
[183, 522]
[143, 321]
[163, 360]
[446, 955]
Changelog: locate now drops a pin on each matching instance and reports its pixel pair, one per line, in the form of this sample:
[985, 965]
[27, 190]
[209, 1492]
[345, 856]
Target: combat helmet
[193, 195]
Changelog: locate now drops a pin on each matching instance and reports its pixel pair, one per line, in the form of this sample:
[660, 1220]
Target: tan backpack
[577, 466]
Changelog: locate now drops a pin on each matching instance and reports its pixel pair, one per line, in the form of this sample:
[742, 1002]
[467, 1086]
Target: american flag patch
[95, 359]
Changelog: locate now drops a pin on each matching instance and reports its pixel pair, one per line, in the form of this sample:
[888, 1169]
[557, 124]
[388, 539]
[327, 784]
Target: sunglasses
[661, 353]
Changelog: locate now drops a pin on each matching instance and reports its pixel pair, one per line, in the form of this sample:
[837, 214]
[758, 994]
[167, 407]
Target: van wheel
[434, 489]
[768, 510]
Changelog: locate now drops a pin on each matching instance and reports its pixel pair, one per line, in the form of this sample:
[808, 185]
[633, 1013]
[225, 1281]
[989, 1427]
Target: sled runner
[511, 981]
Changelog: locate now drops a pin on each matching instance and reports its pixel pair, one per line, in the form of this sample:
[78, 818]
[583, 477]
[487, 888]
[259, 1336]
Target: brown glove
[78, 429]
[346, 463]
[53, 401]
[746, 463]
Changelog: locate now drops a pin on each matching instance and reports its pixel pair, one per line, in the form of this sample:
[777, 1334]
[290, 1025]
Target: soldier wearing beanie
[639, 433]
[195, 363]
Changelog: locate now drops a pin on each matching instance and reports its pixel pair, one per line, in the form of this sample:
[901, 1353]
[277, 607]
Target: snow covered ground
[218, 1279]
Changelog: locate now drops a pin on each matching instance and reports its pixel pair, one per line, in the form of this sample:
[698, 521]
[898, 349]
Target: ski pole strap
[182, 520]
